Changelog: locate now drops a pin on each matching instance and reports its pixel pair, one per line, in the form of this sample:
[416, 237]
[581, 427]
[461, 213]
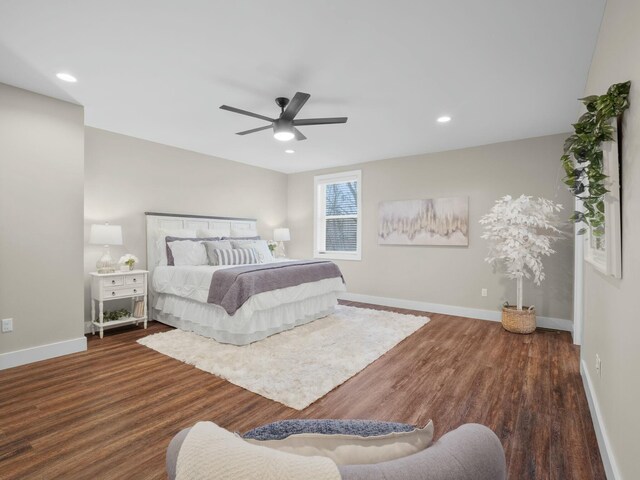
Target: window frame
[320, 217]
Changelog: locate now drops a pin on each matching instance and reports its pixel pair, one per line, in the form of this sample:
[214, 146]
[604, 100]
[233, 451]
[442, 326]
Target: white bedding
[187, 281]
[181, 301]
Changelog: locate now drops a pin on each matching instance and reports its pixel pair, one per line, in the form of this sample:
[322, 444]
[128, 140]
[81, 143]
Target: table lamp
[105, 235]
[281, 235]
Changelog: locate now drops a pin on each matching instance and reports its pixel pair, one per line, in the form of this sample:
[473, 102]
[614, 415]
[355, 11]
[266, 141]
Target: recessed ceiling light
[289, 151]
[444, 119]
[66, 77]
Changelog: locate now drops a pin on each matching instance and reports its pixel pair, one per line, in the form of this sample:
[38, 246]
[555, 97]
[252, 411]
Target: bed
[185, 296]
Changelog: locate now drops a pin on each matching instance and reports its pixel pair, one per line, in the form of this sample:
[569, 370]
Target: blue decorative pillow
[361, 428]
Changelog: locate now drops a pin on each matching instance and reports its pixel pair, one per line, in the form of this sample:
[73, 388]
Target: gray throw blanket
[231, 287]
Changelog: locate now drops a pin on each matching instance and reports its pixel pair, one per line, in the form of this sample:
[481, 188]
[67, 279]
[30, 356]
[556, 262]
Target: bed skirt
[242, 328]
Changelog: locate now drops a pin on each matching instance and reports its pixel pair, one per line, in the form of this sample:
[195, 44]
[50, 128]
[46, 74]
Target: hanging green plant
[583, 159]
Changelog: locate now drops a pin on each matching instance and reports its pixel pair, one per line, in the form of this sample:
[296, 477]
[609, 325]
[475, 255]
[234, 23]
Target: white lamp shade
[106, 235]
[281, 235]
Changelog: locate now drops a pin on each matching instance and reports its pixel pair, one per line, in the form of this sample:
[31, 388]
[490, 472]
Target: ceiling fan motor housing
[281, 124]
[282, 102]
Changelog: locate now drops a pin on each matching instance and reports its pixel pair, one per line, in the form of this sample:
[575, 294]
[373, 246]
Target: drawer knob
[134, 280]
[135, 291]
[113, 294]
[113, 282]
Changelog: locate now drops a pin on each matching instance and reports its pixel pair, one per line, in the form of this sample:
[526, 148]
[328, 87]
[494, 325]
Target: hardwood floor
[111, 411]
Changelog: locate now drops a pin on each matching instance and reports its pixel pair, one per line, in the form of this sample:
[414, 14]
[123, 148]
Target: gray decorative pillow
[216, 245]
[257, 237]
[362, 428]
[346, 442]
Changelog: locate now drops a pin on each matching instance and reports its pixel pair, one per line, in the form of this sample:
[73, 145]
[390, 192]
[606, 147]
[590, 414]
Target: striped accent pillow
[211, 246]
[234, 256]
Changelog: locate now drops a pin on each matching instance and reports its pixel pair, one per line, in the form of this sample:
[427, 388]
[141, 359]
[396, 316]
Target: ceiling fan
[284, 127]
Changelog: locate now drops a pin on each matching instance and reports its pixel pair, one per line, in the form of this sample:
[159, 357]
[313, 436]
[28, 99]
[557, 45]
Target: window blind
[341, 233]
[338, 215]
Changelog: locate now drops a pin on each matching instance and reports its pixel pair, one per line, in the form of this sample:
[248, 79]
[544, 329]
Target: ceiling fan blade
[294, 106]
[299, 135]
[244, 112]
[253, 130]
[320, 121]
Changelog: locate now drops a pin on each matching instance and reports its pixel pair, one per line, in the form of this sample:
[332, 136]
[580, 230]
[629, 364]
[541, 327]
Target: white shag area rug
[298, 366]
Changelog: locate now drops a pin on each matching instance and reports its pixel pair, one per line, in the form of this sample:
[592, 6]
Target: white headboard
[223, 226]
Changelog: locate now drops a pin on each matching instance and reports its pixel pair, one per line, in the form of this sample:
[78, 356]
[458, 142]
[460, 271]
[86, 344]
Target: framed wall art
[434, 221]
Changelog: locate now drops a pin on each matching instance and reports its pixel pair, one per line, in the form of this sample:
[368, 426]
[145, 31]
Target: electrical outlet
[7, 325]
[484, 292]
[598, 365]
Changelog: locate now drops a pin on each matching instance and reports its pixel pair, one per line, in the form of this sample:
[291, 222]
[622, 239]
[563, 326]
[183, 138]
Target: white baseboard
[42, 352]
[606, 452]
[493, 315]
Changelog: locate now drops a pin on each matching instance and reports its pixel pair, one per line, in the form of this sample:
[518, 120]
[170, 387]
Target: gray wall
[612, 321]
[41, 189]
[126, 176]
[447, 275]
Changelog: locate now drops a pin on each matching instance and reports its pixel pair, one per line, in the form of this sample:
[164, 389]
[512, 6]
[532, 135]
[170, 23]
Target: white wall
[612, 319]
[447, 275]
[41, 197]
[126, 176]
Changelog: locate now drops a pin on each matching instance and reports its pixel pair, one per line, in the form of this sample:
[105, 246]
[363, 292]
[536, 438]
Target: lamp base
[105, 263]
[280, 251]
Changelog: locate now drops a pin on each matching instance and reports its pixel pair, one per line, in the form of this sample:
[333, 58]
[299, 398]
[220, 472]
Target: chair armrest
[471, 452]
[172, 452]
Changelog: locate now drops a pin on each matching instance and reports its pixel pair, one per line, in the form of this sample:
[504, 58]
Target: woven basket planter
[518, 321]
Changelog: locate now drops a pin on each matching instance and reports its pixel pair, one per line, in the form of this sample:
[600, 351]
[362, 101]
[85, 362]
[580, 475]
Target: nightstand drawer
[131, 280]
[113, 281]
[122, 292]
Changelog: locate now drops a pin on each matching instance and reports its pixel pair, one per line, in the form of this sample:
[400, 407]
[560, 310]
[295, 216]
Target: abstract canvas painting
[435, 221]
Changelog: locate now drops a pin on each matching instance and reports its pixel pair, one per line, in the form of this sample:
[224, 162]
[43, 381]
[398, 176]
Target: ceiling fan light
[283, 135]
[67, 77]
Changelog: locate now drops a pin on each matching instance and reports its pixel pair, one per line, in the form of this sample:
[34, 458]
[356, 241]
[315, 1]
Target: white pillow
[354, 449]
[188, 252]
[161, 243]
[211, 452]
[260, 246]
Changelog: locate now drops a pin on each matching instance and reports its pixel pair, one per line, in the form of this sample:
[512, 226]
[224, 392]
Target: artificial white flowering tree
[520, 232]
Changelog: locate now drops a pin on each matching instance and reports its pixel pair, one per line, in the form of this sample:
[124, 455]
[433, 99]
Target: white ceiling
[159, 70]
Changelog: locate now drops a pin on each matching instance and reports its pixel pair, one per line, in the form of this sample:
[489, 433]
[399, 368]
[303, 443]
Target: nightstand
[116, 286]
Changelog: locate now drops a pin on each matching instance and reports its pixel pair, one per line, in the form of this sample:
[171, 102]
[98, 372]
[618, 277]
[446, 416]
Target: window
[338, 212]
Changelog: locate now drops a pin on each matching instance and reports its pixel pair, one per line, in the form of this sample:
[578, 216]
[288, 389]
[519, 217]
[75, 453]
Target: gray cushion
[362, 428]
[210, 246]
